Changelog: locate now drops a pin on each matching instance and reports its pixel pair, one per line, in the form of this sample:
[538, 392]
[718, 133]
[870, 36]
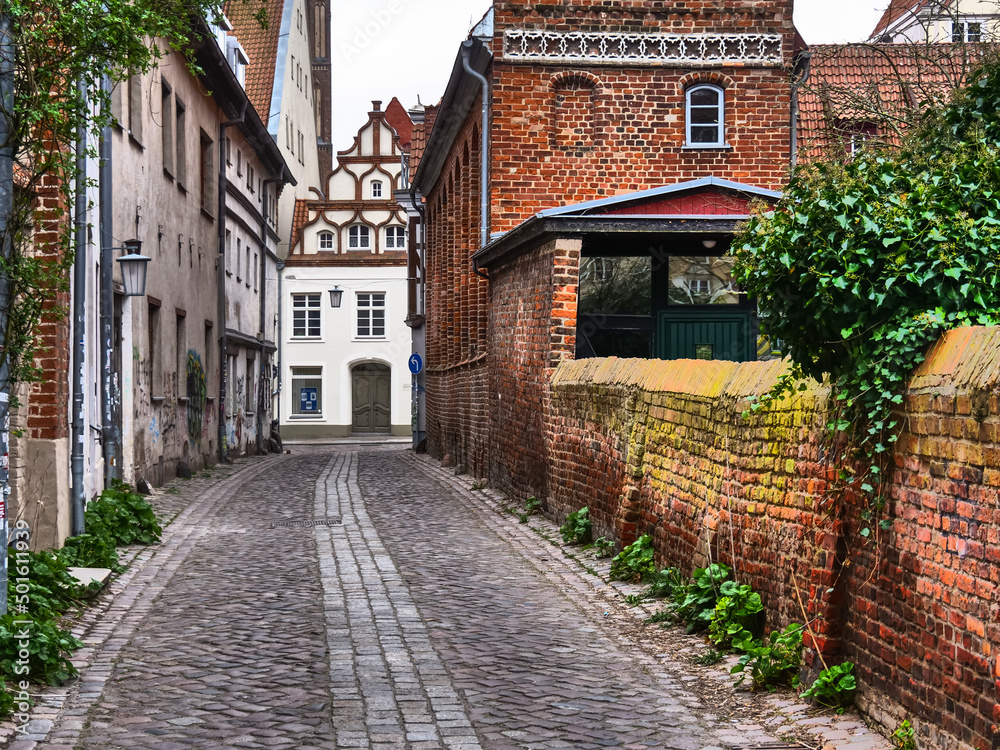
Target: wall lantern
[335, 296]
[134, 269]
[708, 244]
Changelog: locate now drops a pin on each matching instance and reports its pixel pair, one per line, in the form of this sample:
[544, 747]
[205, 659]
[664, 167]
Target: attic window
[237, 59]
[376, 188]
[855, 133]
[705, 116]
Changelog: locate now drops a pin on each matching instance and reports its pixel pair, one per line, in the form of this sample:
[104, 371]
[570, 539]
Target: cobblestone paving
[361, 598]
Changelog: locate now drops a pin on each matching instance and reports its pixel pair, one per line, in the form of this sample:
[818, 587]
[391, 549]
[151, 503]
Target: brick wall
[661, 448]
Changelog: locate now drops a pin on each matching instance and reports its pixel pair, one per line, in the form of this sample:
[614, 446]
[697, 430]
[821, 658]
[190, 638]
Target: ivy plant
[737, 616]
[635, 562]
[773, 661]
[577, 529]
[863, 264]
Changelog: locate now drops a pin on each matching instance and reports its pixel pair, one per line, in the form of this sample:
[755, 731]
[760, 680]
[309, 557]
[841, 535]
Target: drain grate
[331, 521]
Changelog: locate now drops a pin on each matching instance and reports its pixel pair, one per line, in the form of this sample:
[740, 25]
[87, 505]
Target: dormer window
[359, 237]
[326, 241]
[237, 59]
[376, 188]
[705, 117]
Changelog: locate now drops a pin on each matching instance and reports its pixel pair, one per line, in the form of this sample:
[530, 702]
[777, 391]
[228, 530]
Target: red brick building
[624, 142]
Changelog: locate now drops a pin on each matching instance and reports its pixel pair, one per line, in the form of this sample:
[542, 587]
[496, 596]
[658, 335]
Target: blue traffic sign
[416, 363]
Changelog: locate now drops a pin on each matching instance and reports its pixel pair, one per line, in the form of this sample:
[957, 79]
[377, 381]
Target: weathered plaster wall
[662, 448]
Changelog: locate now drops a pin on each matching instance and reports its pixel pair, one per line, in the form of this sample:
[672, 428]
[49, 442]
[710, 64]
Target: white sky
[406, 48]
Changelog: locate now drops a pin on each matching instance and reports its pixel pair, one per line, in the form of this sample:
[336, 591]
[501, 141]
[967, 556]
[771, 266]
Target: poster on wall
[308, 401]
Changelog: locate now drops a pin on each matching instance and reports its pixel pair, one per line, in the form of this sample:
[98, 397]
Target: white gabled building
[344, 369]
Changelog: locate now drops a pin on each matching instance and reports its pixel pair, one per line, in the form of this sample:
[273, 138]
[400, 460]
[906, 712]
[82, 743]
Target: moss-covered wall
[662, 448]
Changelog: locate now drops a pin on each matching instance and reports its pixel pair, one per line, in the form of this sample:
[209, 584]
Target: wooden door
[371, 398]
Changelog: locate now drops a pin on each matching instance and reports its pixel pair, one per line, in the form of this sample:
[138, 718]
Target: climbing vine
[863, 264]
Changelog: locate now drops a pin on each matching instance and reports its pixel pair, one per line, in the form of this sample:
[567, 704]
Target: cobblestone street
[350, 596]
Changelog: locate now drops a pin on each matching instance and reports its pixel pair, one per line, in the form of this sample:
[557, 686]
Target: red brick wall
[662, 448]
[532, 328]
[635, 137]
[48, 400]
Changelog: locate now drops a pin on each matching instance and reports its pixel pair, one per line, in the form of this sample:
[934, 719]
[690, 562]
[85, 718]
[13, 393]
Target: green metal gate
[700, 333]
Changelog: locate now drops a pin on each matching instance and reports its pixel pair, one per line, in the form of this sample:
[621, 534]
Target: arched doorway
[370, 398]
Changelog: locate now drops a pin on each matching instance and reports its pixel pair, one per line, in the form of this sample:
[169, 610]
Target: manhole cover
[332, 521]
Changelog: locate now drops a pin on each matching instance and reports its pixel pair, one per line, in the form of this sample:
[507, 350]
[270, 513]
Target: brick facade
[564, 133]
[661, 448]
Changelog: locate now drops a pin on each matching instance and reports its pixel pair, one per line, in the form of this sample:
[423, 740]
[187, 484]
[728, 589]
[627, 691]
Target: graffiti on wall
[196, 396]
[239, 400]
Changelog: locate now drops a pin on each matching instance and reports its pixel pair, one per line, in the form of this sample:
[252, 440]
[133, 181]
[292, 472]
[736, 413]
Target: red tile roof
[874, 84]
[261, 46]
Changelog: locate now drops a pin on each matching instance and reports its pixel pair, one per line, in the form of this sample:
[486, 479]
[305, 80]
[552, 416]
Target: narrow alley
[350, 596]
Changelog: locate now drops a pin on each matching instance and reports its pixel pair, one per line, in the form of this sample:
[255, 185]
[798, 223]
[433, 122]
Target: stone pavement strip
[364, 597]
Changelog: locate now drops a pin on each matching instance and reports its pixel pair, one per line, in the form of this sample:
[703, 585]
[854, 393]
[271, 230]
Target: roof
[896, 10]
[261, 46]
[709, 205]
[878, 84]
[397, 117]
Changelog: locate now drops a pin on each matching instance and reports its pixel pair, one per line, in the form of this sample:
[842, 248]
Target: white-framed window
[326, 241]
[376, 188]
[966, 31]
[371, 314]
[307, 391]
[395, 238]
[306, 315]
[359, 237]
[705, 116]
[700, 286]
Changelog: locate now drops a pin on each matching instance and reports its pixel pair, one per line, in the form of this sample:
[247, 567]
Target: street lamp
[335, 296]
[134, 269]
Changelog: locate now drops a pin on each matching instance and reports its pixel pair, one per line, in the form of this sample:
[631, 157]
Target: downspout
[221, 282]
[261, 440]
[79, 329]
[484, 190]
[794, 156]
[279, 267]
[109, 435]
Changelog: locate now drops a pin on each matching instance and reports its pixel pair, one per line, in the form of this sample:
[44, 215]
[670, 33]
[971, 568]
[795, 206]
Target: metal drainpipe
[261, 440]
[794, 156]
[79, 329]
[109, 430]
[484, 191]
[221, 282]
[279, 267]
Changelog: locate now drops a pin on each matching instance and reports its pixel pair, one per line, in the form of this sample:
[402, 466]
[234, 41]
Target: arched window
[359, 237]
[326, 241]
[376, 188]
[705, 116]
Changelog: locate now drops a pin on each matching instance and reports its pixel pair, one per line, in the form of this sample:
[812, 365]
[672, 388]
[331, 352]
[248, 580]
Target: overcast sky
[406, 48]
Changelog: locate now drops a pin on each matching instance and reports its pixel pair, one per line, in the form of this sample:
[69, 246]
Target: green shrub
[48, 647]
[604, 547]
[737, 615]
[775, 661]
[122, 516]
[694, 602]
[903, 738]
[90, 551]
[663, 584]
[577, 529]
[635, 562]
[834, 687]
[50, 588]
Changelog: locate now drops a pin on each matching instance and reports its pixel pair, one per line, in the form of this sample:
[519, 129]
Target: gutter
[280, 179]
[79, 329]
[484, 188]
[806, 57]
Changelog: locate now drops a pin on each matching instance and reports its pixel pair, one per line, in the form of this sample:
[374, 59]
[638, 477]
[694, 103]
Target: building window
[207, 175]
[307, 391]
[855, 133]
[239, 162]
[256, 270]
[181, 139]
[181, 351]
[306, 316]
[395, 238]
[153, 351]
[249, 402]
[135, 107]
[705, 116]
[371, 314]
[248, 270]
[326, 241]
[239, 256]
[966, 31]
[167, 131]
[359, 237]
[376, 188]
